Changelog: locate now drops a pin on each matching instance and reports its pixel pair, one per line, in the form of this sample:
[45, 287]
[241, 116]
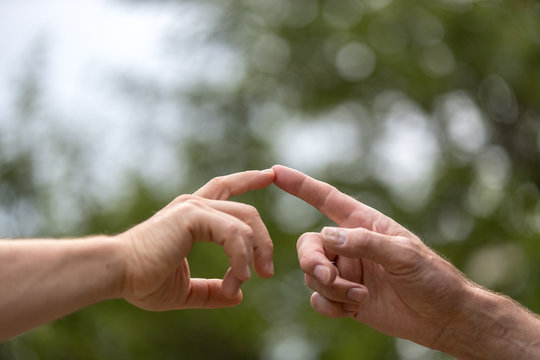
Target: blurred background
[428, 111]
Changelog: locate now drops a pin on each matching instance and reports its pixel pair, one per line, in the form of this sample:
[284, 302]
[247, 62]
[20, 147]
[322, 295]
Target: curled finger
[329, 308]
[236, 237]
[263, 249]
[340, 290]
[313, 259]
[231, 284]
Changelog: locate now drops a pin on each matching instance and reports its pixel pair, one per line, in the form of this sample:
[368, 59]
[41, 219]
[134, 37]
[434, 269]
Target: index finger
[224, 187]
[340, 208]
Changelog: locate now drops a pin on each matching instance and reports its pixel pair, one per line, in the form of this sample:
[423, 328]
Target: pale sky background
[82, 39]
[89, 43]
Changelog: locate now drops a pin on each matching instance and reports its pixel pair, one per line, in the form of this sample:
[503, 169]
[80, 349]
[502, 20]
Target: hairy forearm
[42, 280]
[492, 326]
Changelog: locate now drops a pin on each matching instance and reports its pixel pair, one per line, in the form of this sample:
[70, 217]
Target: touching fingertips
[334, 236]
[231, 289]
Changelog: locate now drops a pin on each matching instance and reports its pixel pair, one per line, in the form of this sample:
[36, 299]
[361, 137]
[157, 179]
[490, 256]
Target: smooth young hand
[45, 279]
[157, 271]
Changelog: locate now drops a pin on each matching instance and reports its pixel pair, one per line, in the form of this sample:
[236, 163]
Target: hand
[157, 275]
[372, 269]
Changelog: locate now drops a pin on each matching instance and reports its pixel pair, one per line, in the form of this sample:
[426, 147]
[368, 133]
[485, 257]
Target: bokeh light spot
[355, 61]
[343, 14]
[271, 54]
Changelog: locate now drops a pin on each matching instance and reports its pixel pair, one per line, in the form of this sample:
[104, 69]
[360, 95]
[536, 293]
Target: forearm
[492, 326]
[42, 280]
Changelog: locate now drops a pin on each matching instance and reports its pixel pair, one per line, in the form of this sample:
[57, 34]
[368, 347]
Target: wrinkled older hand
[157, 275]
[372, 269]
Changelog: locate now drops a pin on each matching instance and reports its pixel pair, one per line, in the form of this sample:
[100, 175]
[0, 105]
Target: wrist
[491, 326]
[116, 265]
[105, 255]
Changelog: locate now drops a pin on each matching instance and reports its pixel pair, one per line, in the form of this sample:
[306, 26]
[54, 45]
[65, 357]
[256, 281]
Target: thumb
[392, 252]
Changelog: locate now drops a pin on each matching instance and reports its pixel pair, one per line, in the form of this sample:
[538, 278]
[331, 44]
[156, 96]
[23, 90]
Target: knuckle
[183, 198]
[219, 186]
[410, 250]
[190, 204]
[306, 262]
[361, 239]
[249, 234]
[380, 224]
[251, 211]
[240, 232]
[268, 246]
[241, 252]
[215, 181]
[303, 238]
[232, 231]
[309, 281]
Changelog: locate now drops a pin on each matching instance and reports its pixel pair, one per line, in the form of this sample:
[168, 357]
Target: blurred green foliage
[464, 75]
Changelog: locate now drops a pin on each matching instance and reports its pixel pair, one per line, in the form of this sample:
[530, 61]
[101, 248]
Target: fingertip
[315, 299]
[279, 172]
[233, 299]
[241, 272]
[238, 297]
[267, 271]
[231, 292]
[269, 171]
[268, 177]
[358, 294]
[244, 274]
[270, 269]
[231, 285]
[334, 236]
[327, 307]
[318, 303]
[324, 274]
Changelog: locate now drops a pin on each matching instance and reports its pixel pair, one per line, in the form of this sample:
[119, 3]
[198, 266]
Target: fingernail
[270, 268]
[247, 271]
[357, 295]
[270, 171]
[231, 286]
[234, 291]
[351, 307]
[336, 236]
[322, 273]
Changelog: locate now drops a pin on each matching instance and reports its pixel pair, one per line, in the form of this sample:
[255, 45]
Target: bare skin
[43, 280]
[375, 271]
